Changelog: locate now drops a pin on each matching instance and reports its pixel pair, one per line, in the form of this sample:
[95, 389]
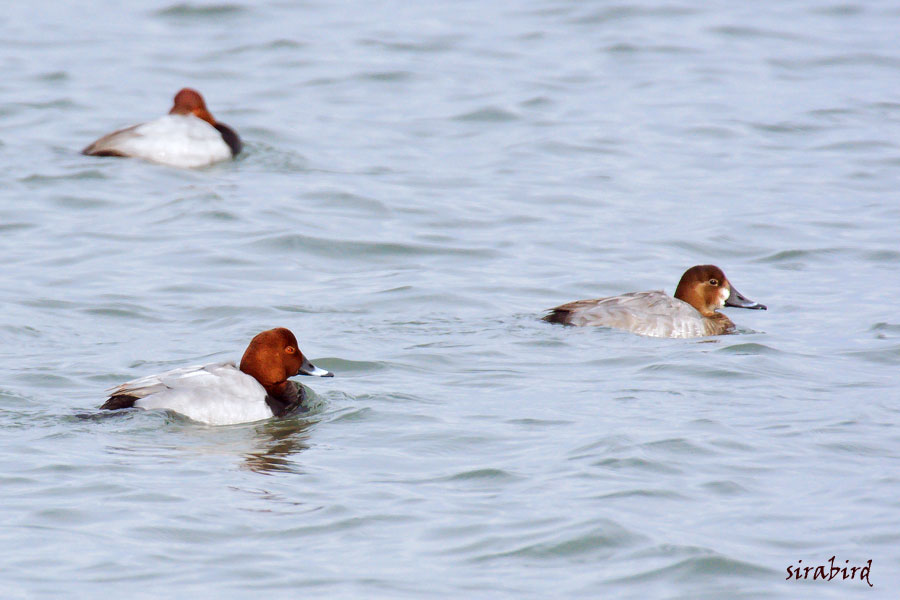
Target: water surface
[420, 182]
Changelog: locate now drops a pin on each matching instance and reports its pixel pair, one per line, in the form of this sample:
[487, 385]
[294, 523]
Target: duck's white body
[175, 140]
[216, 394]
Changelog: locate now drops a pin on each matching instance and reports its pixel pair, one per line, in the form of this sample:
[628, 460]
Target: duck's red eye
[713, 282]
[290, 349]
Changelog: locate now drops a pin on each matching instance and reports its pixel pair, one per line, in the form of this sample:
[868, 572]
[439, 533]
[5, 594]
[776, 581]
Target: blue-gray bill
[738, 300]
[307, 368]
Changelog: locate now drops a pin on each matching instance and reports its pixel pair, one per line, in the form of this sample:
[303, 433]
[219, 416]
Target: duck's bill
[738, 300]
[307, 368]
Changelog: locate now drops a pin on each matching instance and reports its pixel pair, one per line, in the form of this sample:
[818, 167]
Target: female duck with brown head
[187, 137]
[692, 312]
[223, 394]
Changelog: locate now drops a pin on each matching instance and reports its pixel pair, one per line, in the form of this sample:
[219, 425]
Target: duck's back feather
[652, 313]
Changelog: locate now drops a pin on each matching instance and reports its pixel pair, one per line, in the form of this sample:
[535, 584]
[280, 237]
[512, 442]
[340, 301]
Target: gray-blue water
[420, 181]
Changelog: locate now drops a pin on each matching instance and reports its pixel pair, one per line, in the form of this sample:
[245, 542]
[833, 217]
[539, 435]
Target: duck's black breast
[231, 138]
[288, 402]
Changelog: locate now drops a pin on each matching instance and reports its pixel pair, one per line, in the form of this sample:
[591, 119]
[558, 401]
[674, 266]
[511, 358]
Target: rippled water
[420, 182]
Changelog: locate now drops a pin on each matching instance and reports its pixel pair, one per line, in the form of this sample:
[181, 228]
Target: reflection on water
[277, 441]
[274, 441]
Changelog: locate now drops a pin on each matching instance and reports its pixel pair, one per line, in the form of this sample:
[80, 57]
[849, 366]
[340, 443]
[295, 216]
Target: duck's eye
[290, 349]
[713, 282]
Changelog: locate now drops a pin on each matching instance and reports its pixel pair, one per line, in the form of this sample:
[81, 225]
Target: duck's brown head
[190, 102]
[706, 288]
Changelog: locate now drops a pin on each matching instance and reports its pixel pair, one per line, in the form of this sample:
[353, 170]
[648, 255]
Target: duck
[223, 393]
[691, 312]
[187, 137]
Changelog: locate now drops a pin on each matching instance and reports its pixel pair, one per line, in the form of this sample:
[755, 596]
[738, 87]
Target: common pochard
[223, 394]
[690, 313]
[187, 137]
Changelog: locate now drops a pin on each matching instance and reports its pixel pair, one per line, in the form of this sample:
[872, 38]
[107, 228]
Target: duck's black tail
[117, 401]
[557, 315]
